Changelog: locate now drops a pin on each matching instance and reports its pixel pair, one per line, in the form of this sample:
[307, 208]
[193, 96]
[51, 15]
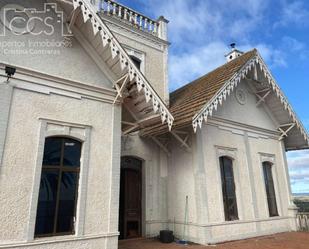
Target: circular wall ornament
[17, 19]
[241, 96]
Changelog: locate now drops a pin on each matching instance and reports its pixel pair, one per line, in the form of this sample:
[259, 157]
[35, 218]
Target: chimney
[233, 54]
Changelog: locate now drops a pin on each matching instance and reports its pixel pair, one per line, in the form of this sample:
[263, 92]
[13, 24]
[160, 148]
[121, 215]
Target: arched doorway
[130, 205]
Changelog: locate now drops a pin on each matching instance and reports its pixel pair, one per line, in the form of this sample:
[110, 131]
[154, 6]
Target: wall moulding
[81, 132]
[240, 129]
[152, 42]
[34, 81]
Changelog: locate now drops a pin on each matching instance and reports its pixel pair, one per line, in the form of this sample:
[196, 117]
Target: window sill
[56, 238]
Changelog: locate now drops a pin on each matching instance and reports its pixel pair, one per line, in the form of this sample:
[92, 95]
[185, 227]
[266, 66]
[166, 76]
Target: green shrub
[303, 205]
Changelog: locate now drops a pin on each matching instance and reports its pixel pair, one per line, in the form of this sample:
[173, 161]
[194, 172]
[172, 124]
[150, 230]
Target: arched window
[270, 189]
[228, 189]
[58, 188]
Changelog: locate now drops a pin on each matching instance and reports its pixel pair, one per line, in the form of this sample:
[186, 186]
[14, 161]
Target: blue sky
[200, 31]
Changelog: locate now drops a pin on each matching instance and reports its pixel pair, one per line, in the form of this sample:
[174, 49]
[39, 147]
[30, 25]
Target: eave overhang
[289, 122]
[127, 78]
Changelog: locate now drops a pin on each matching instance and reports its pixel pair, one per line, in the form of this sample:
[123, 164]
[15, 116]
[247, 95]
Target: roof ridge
[214, 70]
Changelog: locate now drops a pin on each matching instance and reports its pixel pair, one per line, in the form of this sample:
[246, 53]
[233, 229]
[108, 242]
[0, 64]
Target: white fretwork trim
[161, 145]
[183, 140]
[284, 129]
[120, 86]
[263, 97]
[127, 65]
[230, 85]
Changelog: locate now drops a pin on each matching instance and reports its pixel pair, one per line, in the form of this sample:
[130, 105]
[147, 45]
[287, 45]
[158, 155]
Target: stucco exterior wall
[247, 134]
[46, 53]
[155, 56]
[64, 94]
[99, 123]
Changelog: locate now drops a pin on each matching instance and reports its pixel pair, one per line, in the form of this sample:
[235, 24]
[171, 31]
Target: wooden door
[130, 211]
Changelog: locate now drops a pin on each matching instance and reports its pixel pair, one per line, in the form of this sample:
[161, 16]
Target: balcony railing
[303, 221]
[137, 20]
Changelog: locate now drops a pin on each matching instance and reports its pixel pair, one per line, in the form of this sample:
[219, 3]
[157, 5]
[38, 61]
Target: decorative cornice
[29, 79]
[231, 84]
[127, 65]
[125, 29]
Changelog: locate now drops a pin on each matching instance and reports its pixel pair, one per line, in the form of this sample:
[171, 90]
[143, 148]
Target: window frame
[79, 131]
[140, 55]
[61, 169]
[270, 166]
[136, 60]
[228, 216]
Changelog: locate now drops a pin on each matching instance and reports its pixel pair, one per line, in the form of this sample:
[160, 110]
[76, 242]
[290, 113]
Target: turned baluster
[150, 26]
[145, 23]
[155, 28]
[140, 22]
[114, 10]
[119, 11]
[125, 14]
[108, 7]
[131, 17]
[135, 19]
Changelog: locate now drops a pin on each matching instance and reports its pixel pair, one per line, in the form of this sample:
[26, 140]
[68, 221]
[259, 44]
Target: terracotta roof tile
[188, 100]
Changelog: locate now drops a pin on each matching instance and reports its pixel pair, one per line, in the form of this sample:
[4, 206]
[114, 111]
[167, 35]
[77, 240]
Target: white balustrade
[303, 221]
[130, 16]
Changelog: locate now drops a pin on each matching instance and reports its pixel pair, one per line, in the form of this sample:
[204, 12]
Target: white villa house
[94, 149]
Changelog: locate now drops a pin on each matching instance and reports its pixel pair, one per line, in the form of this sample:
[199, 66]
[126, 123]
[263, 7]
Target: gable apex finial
[234, 53]
[233, 45]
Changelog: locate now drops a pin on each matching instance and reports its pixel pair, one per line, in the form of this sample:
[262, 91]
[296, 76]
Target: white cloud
[185, 67]
[293, 12]
[291, 43]
[298, 162]
[274, 57]
[209, 20]
[201, 30]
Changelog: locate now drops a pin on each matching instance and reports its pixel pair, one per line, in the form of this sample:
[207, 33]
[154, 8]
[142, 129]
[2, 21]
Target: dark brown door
[130, 210]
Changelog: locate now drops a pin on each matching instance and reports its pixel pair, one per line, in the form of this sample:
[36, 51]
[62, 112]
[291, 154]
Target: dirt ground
[293, 240]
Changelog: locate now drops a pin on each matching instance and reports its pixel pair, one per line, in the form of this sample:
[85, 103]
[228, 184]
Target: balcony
[136, 20]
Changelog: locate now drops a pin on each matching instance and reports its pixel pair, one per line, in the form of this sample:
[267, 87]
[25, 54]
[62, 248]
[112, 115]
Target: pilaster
[162, 30]
[252, 181]
[6, 93]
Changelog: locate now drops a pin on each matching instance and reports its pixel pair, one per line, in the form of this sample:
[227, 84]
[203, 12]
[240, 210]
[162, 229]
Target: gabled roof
[195, 102]
[83, 17]
[187, 101]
